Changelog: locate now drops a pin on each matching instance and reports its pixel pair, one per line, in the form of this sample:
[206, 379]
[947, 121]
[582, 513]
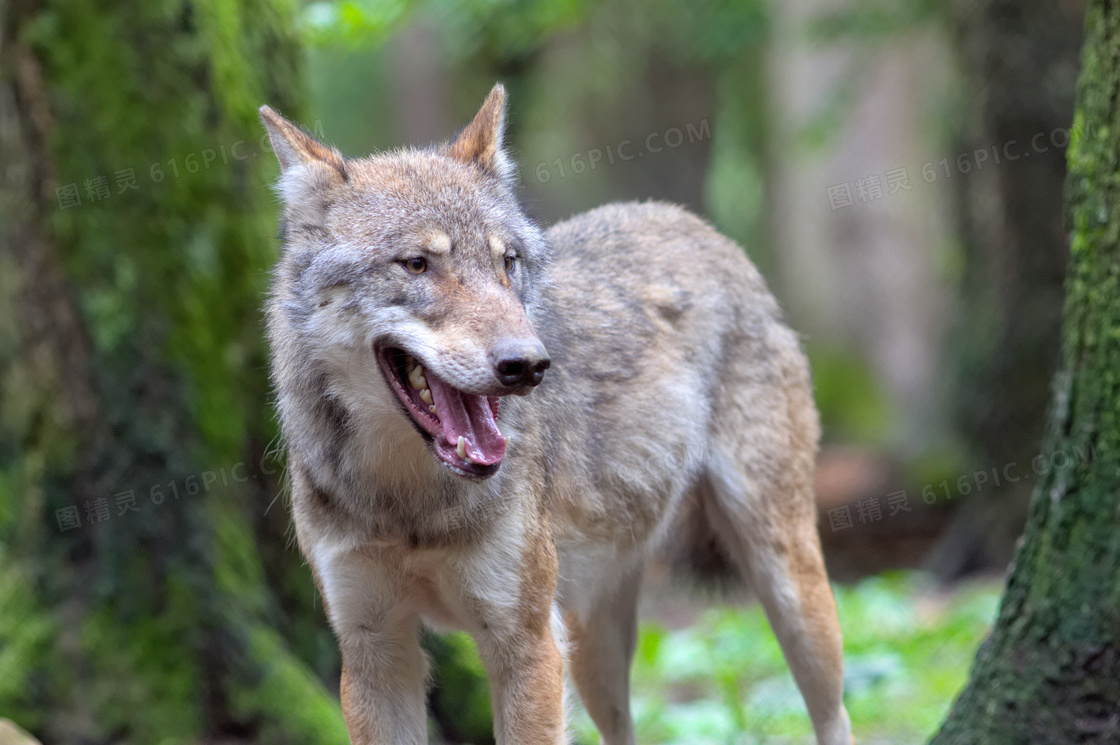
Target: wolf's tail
[694, 555]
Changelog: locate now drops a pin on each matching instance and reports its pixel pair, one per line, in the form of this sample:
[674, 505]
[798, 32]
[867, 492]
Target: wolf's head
[419, 265]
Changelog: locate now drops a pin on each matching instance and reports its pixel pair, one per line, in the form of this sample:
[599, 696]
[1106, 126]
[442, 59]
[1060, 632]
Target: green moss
[151, 685]
[237, 569]
[26, 635]
[292, 707]
[171, 271]
[460, 696]
[167, 279]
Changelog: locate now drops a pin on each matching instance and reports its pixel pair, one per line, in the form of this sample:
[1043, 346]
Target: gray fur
[678, 407]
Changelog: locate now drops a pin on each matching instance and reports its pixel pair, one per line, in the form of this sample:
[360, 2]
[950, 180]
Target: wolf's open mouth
[461, 427]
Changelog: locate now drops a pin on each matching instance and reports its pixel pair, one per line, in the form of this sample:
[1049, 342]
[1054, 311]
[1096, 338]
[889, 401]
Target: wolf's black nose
[520, 363]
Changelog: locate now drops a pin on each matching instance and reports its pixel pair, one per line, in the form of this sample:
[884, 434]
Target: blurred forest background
[895, 168]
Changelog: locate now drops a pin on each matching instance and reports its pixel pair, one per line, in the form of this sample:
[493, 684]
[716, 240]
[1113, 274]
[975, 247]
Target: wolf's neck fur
[383, 486]
[386, 450]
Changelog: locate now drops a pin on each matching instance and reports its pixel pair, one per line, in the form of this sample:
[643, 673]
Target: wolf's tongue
[470, 417]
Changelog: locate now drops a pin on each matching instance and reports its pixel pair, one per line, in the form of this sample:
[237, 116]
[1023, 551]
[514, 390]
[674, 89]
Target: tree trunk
[1050, 671]
[135, 236]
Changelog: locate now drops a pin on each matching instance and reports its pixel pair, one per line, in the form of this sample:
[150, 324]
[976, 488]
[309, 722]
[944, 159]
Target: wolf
[493, 428]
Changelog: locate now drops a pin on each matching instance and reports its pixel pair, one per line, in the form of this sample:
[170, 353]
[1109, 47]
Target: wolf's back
[656, 323]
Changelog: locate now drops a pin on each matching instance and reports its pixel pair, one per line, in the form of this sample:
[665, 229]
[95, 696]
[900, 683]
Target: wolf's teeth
[461, 447]
[432, 409]
[426, 396]
[416, 377]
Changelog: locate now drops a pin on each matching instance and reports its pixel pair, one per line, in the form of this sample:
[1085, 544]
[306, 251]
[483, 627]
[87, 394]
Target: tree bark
[135, 237]
[1050, 671]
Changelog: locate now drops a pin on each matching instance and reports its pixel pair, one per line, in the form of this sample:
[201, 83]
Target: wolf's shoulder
[655, 260]
[643, 238]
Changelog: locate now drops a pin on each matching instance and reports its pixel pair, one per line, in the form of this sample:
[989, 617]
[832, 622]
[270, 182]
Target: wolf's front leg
[384, 671]
[527, 689]
[383, 686]
[520, 647]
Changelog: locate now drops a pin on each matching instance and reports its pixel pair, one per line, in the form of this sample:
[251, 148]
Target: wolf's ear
[294, 147]
[480, 142]
[308, 168]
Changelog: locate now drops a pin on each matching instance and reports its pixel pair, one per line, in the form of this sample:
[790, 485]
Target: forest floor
[713, 674]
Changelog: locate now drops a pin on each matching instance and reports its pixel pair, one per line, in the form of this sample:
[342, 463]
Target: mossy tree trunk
[145, 595]
[1050, 671]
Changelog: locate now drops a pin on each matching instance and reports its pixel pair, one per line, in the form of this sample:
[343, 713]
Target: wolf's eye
[416, 265]
[511, 262]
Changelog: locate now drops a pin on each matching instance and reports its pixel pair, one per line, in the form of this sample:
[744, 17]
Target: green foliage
[26, 634]
[724, 680]
[353, 23]
[289, 704]
[908, 652]
[708, 32]
[502, 29]
[508, 28]
[878, 21]
[353, 95]
[851, 404]
[461, 697]
[151, 670]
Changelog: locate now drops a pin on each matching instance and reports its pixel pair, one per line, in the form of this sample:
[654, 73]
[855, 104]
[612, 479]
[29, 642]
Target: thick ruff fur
[678, 407]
